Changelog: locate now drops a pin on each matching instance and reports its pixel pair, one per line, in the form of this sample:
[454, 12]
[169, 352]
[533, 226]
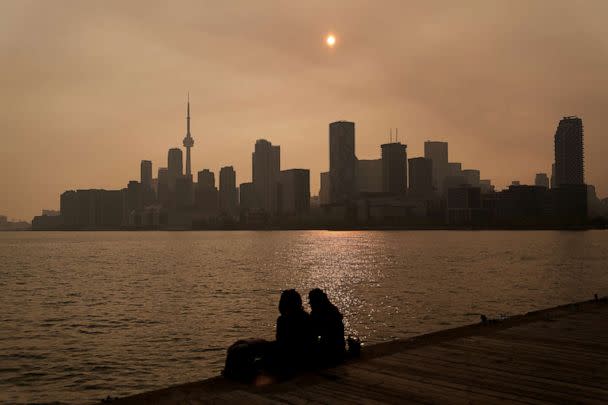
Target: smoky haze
[91, 88]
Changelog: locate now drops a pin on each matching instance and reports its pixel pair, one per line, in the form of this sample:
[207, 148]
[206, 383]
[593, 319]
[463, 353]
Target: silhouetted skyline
[491, 80]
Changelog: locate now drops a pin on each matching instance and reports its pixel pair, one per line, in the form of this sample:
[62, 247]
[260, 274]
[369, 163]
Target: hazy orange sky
[89, 88]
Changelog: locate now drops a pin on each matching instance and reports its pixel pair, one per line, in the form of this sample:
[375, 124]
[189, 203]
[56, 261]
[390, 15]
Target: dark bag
[354, 346]
[245, 358]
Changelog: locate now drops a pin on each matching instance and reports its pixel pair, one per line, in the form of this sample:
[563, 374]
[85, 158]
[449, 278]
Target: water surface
[90, 314]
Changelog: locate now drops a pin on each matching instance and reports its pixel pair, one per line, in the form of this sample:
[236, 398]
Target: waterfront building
[542, 180]
[93, 209]
[175, 167]
[247, 199]
[420, 175]
[464, 206]
[523, 205]
[184, 192]
[438, 153]
[206, 195]
[324, 189]
[206, 178]
[49, 220]
[570, 204]
[266, 167]
[569, 160]
[146, 182]
[454, 169]
[146, 174]
[342, 162]
[133, 200]
[453, 182]
[486, 186]
[162, 192]
[394, 168]
[369, 176]
[228, 191]
[472, 177]
[294, 192]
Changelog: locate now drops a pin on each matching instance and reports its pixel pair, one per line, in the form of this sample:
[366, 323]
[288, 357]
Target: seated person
[294, 337]
[327, 327]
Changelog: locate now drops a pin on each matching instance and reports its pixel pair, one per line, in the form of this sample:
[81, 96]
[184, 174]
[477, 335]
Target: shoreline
[318, 228]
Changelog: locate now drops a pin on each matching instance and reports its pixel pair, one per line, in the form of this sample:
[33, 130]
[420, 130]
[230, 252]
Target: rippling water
[86, 315]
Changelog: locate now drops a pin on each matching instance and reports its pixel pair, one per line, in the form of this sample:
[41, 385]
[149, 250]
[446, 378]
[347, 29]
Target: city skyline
[104, 102]
[181, 167]
[353, 192]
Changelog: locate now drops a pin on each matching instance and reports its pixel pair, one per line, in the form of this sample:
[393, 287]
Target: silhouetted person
[327, 327]
[294, 335]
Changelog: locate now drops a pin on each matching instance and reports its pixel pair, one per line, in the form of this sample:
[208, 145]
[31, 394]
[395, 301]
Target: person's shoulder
[335, 312]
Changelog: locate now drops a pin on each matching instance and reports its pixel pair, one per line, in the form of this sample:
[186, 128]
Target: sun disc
[331, 40]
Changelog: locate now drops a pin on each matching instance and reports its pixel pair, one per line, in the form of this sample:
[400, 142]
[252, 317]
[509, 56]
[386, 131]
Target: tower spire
[188, 117]
[188, 140]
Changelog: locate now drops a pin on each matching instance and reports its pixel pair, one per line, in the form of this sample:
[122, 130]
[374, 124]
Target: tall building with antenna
[188, 141]
[394, 167]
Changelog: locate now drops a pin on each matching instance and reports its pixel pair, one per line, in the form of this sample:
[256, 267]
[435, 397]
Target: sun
[330, 40]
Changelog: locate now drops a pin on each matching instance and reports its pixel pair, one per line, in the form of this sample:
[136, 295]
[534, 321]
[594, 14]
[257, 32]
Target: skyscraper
[206, 196]
[146, 174]
[247, 198]
[454, 169]
[266, 160]
[542, 180]
[394, 168]
[342, 161]
[175, 165]
[420, 175]
[472, 177]
[184, 192]
[369, 175]
[294, 191]
[163, 186]
[486, 186]
[206, 178]
[324, 196]
[188, 140]
[438, 153]
[146, 182]
[569, 161]
[134, 201]
[228, 192]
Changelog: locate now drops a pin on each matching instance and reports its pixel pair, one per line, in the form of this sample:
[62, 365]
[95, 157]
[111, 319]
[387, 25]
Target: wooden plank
[539, 364]
[523, 366]
[241, 397]
[570, 354]
[473, 382]
[491, 378]
[422, 388]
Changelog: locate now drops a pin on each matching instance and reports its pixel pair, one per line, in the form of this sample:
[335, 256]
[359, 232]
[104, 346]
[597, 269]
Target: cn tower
[188, 140]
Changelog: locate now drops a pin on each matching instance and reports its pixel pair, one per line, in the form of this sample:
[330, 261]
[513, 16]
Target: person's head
[290, 302]
[317, 299]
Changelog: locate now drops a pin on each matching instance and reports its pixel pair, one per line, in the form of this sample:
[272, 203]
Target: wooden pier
[559, 355]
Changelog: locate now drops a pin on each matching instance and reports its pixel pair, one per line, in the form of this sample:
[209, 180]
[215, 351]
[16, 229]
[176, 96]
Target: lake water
[90, 314]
